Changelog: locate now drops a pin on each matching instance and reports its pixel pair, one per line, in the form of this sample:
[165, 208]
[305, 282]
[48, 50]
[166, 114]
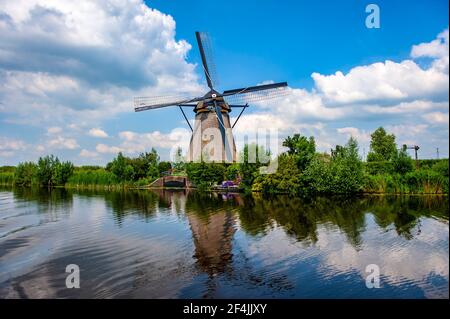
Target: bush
[379, 168]
[426, 181]
[285, 180]
[205, 174]
[6, 178]
[402, 162]
[25, 174]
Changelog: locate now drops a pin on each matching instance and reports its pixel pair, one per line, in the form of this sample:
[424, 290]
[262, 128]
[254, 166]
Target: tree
[164, 167]
[285, 180]
[347, 169]
[45, 169]
[382, 146]
[302, 148]
[402, 163]
[204, 174]
[61, 172]
[25, 173]
[119, 168]
[179, 162]
[250, 162]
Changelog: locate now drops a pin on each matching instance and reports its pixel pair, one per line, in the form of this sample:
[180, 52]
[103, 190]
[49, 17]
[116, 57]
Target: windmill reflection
[212, 223]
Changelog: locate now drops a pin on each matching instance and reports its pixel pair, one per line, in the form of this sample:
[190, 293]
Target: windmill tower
[212, 137]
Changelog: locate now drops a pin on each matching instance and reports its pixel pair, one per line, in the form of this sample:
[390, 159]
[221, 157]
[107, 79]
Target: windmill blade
[255, 88]
[206, 53]
[156, 102]
[256, 93]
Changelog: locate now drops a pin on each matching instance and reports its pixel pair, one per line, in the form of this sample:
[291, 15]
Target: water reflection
[190, 244]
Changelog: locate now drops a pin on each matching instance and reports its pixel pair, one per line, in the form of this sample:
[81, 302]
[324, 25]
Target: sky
[69, 72]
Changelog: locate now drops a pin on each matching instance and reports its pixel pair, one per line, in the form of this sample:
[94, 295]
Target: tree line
[301, 170]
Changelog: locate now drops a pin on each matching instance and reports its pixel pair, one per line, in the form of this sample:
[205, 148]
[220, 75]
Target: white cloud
[54, 130]
[9, 146]
[388, 81]
[86, 60]
[63, 143]
[96, 132]
[89, 154]
[361, 135]
[436, 117]
[103, 148]
[437, 48]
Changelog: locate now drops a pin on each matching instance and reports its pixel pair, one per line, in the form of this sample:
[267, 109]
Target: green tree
[382, 146]
[204, 174]
[285, 180]
[25, 174]
[232, 171]
[164, 167]
[61, 172]
[45, 169]
[251, 158]
[119, 167]
[179, 161]
[402, 163]
[347, 169]
[302, 148]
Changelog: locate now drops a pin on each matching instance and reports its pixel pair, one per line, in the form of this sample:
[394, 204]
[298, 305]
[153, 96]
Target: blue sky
[68, 73]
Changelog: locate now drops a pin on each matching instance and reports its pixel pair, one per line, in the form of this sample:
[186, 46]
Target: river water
[178, 244]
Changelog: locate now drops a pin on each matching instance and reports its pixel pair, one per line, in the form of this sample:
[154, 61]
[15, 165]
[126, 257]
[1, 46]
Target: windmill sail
[256, 93]
[156, 102]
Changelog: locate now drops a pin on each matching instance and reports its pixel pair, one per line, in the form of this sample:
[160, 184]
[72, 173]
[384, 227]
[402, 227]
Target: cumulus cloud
[60, 60]
[436, 117]
[8, 146]
[54, 130]
[63, 143]
[89, 154]
[96, 132]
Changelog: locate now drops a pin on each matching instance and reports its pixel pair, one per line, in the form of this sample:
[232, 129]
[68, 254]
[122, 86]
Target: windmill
[212, 133]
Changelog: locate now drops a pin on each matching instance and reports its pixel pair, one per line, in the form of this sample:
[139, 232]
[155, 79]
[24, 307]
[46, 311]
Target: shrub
[402, 162]
[380, 167]
[25, 174]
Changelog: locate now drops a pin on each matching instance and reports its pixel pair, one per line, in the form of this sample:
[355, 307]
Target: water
[142, 244]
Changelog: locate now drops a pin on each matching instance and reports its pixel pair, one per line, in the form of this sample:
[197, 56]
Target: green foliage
[426, 181]
[6, 178]
[62, 172]
[179, 161]
[302, 148]
[91, 177]
[25, 174]
[232, 172]
[45, 169]
[251, 159]
[285, 180]
[402, 162]
[377, 168]
[128, 169]
[382, 146]
[204, 174]
[347, 169]
[164, 167]
[343, 174]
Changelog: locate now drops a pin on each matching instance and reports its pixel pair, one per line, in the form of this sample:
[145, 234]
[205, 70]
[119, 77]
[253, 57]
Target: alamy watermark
[373, 279]
[73, 279]
[373, 19]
